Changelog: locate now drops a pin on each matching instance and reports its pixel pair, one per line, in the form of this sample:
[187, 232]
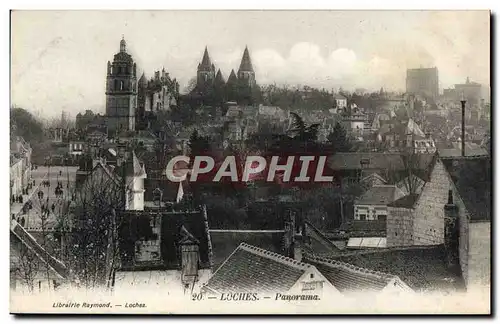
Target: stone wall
[400, 227]
[429, 209]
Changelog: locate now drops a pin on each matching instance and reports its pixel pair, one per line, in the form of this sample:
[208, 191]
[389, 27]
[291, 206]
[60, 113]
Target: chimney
[463, 101]
[451, 234]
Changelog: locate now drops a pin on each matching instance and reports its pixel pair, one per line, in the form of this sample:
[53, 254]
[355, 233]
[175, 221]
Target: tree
[24, 124]
[191, 85]
[302, 132]
[339, 139]
[93, 250]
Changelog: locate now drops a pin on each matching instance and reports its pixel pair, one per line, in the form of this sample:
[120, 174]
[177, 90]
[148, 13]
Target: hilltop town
[408, 210]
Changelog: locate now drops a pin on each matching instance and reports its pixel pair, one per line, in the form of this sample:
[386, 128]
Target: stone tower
[246, 74]
[121, 91]
[206, 72]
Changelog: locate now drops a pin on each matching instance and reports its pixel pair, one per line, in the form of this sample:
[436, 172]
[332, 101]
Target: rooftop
[422, 268]
[472, 178]
[407, 201]
[252, 269]
[378, 195]
[346, 277]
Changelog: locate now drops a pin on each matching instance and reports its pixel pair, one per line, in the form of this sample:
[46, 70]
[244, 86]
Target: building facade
[423, 81]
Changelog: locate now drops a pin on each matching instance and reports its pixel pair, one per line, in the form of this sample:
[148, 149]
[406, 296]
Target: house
[164, 250]
[252, 269]
[76, 148]
[405, 135]
[164, 243]
[354, 121]
[422, 268]
[348, 278]
[340, 101]
[471, 181]
[372, 205]
[20, 164]
[16, 176]
[353, 166]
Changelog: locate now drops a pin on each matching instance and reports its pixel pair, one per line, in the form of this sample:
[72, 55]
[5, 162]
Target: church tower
[206, 72]
[246, 74]
[121, 91]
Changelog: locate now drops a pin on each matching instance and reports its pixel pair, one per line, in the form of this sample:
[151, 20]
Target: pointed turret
[232, 78]
[246, 62]
[143, 82]
[133, 167]
[205, 61]
[219, 78]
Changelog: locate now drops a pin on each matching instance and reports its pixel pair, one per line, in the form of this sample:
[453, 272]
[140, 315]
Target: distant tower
[246, 74]
[121, 91]
[206, 72]
[142, 87]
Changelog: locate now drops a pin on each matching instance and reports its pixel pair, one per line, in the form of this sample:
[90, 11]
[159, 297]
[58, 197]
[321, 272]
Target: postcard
[250, 162]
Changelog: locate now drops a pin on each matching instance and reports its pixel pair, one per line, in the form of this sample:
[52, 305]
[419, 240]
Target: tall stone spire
[246, 62]
[233, 79]
[218, 77]
[205, 62]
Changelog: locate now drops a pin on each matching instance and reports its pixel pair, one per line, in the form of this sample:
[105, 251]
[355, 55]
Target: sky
[59, 58]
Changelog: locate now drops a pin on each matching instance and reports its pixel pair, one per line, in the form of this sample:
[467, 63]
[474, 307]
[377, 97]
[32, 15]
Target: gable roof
[225, 241]
[472, 179]
[319, 244]
[378, 195]
[251, 269]
[422, 268]
[347, 277]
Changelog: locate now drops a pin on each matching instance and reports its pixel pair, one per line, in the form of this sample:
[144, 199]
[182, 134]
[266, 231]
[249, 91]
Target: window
[382, 218]
[362, 217]
[312, 275]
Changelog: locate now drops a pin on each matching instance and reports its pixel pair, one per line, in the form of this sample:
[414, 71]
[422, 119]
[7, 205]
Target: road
[54, 174]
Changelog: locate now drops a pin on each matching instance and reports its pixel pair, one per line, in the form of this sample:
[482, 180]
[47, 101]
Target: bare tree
[93, 243]
[25, 266]
[411, 174]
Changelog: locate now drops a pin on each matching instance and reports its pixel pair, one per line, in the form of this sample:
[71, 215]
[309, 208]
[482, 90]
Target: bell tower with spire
[246, 74]
[121, 91]
[206, 72]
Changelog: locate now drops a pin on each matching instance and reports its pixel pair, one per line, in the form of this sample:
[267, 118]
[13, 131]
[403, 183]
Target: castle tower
[246, 74]
[142, 87]
[206, 71]
[121, 91]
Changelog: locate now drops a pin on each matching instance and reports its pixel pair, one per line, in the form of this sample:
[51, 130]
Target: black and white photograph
[250, 162]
